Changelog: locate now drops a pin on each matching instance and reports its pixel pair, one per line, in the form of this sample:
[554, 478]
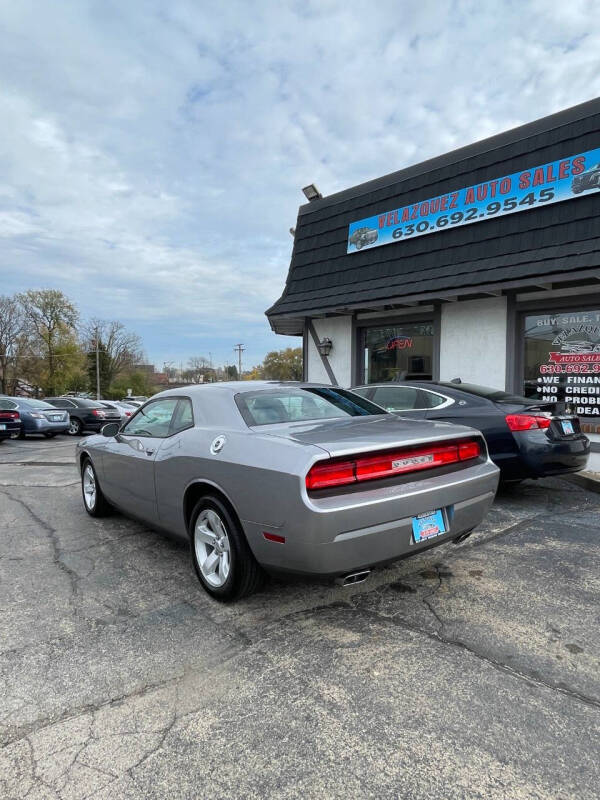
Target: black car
[85, 415]
[525, 439]
[590, 179]
[10, 423]
[36, 416]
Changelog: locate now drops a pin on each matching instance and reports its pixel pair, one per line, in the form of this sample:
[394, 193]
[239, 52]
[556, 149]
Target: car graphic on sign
[590, 179]
[362, 237]
[580, 347]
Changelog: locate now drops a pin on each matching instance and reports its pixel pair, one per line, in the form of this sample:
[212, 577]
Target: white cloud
[153, 152]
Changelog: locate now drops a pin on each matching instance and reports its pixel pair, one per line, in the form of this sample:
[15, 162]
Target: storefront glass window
[399, 352]
[562, 363]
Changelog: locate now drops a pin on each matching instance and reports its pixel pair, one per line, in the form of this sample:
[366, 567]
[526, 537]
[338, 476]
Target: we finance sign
[530, 188]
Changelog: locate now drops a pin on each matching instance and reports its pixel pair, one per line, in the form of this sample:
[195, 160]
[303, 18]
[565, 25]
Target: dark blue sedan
[37, 416]
[525, 439]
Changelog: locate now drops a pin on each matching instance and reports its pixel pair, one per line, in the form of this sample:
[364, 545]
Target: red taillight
[526, 422]
[98, 412]
[9, 415]
[341, 472]
[467, 450]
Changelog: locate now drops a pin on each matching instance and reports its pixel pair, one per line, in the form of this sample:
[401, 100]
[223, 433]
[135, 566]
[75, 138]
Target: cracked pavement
[470, 671]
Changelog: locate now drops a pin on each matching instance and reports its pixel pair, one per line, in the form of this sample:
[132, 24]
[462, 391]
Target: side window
[183, 417]
[431, 400]
[396, 398]
[7, 405]
[154, 419]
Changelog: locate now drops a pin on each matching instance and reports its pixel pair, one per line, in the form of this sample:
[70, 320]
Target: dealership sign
[530, 188]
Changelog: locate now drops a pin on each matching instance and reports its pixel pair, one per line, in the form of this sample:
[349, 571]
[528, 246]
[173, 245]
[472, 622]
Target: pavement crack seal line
[426, 599]
[38, 464]
[24, 731]
[499, 666]
[71, 575]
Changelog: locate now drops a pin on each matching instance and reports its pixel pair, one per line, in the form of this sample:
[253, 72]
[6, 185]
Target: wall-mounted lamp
[325, 346]
[311, 192]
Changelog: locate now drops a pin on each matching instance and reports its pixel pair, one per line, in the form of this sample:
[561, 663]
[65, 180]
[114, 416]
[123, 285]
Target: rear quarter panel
[260, 475]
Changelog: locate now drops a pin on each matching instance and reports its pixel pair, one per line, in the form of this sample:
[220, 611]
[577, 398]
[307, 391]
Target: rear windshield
[35, 404]
[299, 405]
[490, 394]
[83, 401]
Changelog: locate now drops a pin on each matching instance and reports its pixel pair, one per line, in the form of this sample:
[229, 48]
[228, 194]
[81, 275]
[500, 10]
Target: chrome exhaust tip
[462, 537]
[353, 577]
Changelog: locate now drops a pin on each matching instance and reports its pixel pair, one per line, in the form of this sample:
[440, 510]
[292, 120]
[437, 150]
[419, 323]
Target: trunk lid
[340, 437]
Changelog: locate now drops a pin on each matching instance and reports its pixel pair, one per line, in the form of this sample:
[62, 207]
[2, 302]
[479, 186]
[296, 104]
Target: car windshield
[488, 393]
[302, 404]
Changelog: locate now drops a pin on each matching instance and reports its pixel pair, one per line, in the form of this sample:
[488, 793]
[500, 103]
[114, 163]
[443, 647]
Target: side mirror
[110, 429]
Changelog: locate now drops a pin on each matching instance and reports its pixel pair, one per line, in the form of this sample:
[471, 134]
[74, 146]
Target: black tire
[76, 428]
[245, 574]
[20, 434]
[49, 435]
[99, 505]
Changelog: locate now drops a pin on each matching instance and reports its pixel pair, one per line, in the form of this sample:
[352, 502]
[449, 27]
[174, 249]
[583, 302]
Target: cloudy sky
[152, 151]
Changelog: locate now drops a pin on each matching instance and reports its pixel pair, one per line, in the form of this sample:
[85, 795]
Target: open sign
[400, 343]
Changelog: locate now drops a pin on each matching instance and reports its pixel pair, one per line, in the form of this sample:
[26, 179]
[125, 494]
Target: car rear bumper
[46, 426]
[10, 430]
[98, 424]
[336, 535]
[540, 456]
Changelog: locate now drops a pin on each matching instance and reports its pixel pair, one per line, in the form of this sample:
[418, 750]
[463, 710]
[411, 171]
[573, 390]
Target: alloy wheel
[212, 546]
[89, 486]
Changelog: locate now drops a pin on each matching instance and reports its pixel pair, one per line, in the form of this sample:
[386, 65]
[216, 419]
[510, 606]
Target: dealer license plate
[428, 525]
[55, 417]
[567, 426]
[2, 426]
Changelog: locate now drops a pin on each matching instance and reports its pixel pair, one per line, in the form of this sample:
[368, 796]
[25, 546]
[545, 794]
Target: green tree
[51, 319]
[283, 365]
[138, 382]
[231, 373]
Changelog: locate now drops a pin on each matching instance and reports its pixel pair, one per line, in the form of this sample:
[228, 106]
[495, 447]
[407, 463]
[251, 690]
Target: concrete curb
[589, 481]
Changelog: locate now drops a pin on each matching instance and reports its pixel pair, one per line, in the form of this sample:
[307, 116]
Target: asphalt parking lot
[471, 671]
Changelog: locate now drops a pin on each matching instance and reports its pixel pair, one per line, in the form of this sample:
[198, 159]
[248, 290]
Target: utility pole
[239, 349]
[97, 366]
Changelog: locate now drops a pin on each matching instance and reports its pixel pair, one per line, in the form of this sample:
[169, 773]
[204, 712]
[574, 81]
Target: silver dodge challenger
[287, 477]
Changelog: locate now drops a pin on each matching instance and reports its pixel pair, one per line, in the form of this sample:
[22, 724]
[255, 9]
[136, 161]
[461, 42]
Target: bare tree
[199, 369]
[11, 336]
[121, 349]
[50, 318]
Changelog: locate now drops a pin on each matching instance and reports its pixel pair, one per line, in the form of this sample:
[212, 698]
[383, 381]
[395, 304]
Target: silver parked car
[288, 477]
[126, 410]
